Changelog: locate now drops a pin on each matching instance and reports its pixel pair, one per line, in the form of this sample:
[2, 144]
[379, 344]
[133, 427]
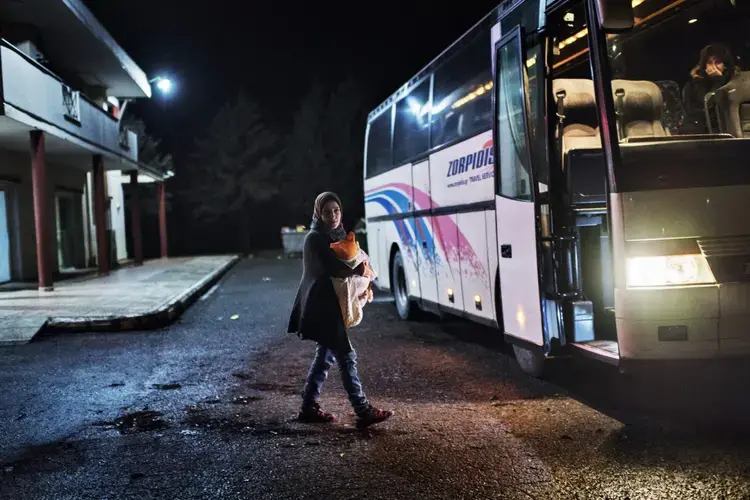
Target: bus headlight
[671, 270]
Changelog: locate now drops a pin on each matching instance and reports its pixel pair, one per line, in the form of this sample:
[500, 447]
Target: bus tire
[406, 309]
[532, 362]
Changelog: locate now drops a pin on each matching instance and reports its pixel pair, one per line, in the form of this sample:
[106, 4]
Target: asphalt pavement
[206, 407]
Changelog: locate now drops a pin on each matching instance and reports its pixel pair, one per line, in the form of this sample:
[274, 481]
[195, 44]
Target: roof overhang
[74, 38]
[66, 149]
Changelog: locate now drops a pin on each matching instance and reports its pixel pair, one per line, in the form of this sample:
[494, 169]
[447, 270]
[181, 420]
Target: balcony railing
[72, 103]
[128, 140]
[35, 94]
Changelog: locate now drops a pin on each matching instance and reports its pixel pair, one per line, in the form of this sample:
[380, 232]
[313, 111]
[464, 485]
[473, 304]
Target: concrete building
[63, 150]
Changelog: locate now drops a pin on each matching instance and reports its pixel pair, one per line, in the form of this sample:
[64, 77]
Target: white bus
[545, 175]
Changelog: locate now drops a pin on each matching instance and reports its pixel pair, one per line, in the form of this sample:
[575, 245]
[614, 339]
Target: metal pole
[601, 71]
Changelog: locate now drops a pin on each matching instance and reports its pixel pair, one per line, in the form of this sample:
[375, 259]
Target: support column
[41, 223]
[100, 216]
[91, 262]
[135, 219]
[163, 219]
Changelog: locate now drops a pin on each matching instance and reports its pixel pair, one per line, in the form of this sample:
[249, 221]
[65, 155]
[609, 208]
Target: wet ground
[205, 409]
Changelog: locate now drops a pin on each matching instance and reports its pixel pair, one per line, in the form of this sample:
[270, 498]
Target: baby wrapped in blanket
[355, 291]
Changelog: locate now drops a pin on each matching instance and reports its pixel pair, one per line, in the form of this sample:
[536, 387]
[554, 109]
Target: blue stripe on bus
[400, 204]
[389, 207]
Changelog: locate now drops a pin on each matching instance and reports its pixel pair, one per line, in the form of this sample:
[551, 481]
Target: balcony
[35, 98]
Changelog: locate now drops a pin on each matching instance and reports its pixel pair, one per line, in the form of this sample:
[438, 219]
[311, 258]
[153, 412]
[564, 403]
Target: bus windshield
[683, 70]
[680, 83]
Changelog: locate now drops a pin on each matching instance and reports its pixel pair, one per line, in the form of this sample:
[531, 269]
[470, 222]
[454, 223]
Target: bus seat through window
[639, 106]
[733, 106]
[576, 107]
[581, 145]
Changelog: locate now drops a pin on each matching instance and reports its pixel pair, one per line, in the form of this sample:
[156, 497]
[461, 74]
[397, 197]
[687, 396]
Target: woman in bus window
[316, 316]
[715, 68]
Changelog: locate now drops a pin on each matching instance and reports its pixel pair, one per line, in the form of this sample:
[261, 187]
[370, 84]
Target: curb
[161, 316]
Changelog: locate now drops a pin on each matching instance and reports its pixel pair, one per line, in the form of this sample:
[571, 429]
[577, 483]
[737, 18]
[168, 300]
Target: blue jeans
[318, 373]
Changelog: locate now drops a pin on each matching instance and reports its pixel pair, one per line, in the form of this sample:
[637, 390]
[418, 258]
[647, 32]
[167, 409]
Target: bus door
[514, 201]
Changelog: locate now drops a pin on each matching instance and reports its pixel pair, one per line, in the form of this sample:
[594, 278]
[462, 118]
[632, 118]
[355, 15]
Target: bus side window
[411, 130]
[461, 103]
[379, 145]
[514, 141]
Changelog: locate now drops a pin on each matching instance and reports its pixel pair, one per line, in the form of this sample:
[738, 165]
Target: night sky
[274, 50]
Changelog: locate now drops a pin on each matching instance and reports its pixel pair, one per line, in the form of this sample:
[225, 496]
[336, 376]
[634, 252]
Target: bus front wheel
[404, 306]
[530, 361]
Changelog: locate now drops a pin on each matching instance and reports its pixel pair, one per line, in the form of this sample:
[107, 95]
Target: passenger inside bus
[716, 67]
[650, 104]
[711, 55]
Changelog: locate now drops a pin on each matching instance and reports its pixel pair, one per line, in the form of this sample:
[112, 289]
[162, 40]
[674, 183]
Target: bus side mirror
[615, 15]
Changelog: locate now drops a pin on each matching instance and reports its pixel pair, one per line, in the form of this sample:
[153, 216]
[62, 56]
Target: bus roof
[498, 12]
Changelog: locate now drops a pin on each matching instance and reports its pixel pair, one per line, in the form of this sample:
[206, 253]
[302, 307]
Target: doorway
[69, 231]
[4, 239]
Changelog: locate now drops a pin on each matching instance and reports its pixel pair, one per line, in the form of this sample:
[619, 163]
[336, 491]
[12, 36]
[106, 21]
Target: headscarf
[335, 233]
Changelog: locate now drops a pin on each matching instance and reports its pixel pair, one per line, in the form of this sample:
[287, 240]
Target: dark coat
[316, 314]
[693, 96]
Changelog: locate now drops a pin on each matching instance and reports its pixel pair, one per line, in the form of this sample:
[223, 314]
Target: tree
[343, 140]
[234, 166]
[305, 169]
[148, 146]
[324, 150]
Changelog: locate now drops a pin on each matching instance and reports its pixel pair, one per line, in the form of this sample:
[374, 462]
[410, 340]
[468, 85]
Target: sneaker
[314, 414]
[372, 416]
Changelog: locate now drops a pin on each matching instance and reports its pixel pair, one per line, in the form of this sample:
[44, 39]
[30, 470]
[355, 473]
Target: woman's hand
[361, 269]
[364, 270]
[369, 274]
[715, 69]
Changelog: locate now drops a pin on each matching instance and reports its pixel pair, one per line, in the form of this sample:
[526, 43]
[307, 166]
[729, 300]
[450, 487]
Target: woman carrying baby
[316, 316]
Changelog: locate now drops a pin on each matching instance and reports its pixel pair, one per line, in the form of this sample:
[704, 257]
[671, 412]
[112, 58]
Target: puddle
[140, 421]
[167, 387]
[60, 456]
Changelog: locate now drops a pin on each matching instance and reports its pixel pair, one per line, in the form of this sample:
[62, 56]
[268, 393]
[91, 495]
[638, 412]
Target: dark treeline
[245, 178]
